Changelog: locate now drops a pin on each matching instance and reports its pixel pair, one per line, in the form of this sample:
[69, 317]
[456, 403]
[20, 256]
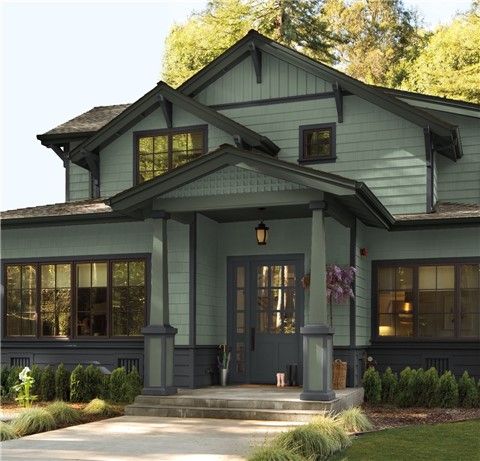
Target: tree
[450, 64]
[207, 34]
[377, 39]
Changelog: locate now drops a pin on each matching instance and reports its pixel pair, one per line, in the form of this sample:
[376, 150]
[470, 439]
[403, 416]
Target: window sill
[316, 160]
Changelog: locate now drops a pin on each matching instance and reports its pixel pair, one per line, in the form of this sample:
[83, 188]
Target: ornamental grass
[98, 407]
[6, 431]
[32, 421]
[271, 453]
[354, 420]
[64, 414]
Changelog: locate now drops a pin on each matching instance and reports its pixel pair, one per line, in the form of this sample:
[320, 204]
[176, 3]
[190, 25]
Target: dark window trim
[165, 131]
[109, 258]
[301, 143]
[377, 339]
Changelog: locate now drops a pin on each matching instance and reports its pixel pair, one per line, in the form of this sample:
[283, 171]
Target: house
[207, 214]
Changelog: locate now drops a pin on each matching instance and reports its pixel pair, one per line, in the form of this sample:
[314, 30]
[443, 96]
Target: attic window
[162, 150]
[317, 143]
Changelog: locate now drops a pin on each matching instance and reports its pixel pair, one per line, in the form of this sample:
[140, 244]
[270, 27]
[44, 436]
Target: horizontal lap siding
[117, 159]
[460, 181]
[372, 145]
[79, 183]
[279, 79]
[362, 288]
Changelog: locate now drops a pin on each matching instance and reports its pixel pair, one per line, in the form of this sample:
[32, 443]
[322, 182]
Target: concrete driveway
[130, 438]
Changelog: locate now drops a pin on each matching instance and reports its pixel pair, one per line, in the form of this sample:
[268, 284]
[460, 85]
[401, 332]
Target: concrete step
[138, 409]
[247, 404]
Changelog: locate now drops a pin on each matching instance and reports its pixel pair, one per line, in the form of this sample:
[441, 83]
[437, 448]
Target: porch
[246, 402]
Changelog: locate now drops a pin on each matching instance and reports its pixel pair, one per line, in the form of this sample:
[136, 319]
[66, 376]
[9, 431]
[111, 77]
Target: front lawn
[441, 442]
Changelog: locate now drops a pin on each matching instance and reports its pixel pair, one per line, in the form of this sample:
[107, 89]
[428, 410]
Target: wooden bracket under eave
[167, 110]
[256, 55]
[93, 162]
[337, 91]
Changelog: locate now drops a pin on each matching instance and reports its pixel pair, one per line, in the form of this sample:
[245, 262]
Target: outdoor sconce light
[261, 232]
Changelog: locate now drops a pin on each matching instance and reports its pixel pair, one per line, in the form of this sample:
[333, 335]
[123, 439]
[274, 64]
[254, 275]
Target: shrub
[47, 384]
[32, 421]
[447, 391]
[78, 384]
[63, 414]
[118, 385]
[99, 407]
[354, 420]
[134, 385]
[36, 374]
[307, 441]
[12, 380]
[105, 391]
[405, 390]
[6, 431]
[372, 385]
[429, 396]
[478, 393]
[467, 391]
[271, 453]
[5, 371]
[389, 386]
[418, 384]
[62, 383]
[93, 382]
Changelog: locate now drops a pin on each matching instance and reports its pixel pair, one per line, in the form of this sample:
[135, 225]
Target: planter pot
[223, 376]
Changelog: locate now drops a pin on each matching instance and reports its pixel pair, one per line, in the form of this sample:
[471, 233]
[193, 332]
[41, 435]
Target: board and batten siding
[279, 79]
[460, 181]
[117, 159]
[372, 145]
[110, 240]
[414, 244]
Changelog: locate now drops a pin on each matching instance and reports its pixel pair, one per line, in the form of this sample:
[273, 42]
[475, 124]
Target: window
[160, 151]
[56, 299]
[428, 301]
[83, 299]
[317, 143]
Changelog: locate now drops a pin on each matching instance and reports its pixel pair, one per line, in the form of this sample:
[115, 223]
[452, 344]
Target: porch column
[159, 334]
[317, 333]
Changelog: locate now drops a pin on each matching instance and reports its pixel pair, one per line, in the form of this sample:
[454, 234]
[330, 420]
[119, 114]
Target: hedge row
[81, 385]
[421, 388]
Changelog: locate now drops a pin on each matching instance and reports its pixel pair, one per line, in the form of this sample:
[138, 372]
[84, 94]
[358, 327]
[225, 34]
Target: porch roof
[349, 198]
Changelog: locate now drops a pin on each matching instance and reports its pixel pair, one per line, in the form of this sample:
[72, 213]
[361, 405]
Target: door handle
[252, 338]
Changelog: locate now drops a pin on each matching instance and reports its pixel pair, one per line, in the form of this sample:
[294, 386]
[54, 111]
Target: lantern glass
[261, 232]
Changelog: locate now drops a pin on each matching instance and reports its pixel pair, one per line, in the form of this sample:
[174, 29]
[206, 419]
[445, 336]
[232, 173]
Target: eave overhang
[354, 196]
[155, 99]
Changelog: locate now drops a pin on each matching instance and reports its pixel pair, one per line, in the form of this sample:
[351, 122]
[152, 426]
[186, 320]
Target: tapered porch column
[159, 334]
[317, 333]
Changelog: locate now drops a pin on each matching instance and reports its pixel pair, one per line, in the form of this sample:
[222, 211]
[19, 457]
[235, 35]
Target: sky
[61, 58]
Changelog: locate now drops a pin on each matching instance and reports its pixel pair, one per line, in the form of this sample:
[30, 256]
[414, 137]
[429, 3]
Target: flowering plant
[339, 285]
[24, 397]
[223, 358]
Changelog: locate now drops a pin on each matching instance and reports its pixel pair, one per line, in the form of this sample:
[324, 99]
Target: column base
[159, 390]
[318, 396]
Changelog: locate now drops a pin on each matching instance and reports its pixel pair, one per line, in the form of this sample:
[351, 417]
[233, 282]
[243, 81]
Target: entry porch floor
[261, 402]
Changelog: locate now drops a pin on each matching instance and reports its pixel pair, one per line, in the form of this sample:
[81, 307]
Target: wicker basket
[339, 374]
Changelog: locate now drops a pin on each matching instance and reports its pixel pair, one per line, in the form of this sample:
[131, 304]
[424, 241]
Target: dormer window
[162, 150]
[317, 143]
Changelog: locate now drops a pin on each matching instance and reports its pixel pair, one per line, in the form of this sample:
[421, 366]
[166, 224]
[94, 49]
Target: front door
[266, 311]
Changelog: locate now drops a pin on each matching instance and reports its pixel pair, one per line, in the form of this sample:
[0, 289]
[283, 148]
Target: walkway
[130, 438]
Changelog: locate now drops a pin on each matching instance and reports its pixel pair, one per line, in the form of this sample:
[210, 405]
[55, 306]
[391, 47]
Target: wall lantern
[261, 231]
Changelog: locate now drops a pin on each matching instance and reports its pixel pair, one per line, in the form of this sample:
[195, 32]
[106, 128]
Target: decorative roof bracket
[256, 55]
[93, 163]
[167, 110]
[337, 91]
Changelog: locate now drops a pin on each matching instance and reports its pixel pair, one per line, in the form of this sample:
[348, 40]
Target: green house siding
[117, 159]
[362, 287]
[79, 183]
[421, 244]
[279, 79]
[460, 181]
[372, 145]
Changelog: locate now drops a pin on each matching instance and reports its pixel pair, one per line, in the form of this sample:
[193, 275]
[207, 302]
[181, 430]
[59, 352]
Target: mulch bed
[384, 417]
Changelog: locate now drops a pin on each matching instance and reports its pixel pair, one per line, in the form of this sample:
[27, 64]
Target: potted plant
[223, 359]
[339, 285]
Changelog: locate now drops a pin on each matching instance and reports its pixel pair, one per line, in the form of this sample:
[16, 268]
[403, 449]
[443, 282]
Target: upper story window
[428, 301]
[162, 150]
[317, 143]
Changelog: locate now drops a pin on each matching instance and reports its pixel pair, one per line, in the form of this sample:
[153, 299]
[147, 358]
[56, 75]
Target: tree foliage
[449, 66]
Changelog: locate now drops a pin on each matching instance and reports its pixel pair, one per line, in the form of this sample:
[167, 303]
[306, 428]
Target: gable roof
[152, 100]
[354, 195]
[446, 135]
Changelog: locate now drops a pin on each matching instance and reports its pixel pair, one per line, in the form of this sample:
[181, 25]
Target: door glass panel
[289, 322]
[262, 322]
[240, 322]
[276, 276]
[277, 321]
[262, 276]
[262, 299]
[240, 277]
[289, 276]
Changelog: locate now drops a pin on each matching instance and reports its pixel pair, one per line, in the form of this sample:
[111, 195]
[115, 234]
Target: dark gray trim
[303, 129]
[429, 164]
[375, 338]
[193, 228]
[270, 101]
[256, 56]
[337, 91]
[167, 110]
[353, 301]
[203, 128]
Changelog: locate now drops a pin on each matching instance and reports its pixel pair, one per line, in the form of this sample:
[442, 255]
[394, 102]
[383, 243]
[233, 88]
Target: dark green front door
[266, 311]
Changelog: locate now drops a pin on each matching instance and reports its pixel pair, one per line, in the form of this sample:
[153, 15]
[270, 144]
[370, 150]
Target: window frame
[74, 261]
[303, 129]
[165, 132]
[415, 264]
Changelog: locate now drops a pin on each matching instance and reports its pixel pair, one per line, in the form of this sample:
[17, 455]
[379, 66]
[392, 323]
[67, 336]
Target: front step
[221, 413]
